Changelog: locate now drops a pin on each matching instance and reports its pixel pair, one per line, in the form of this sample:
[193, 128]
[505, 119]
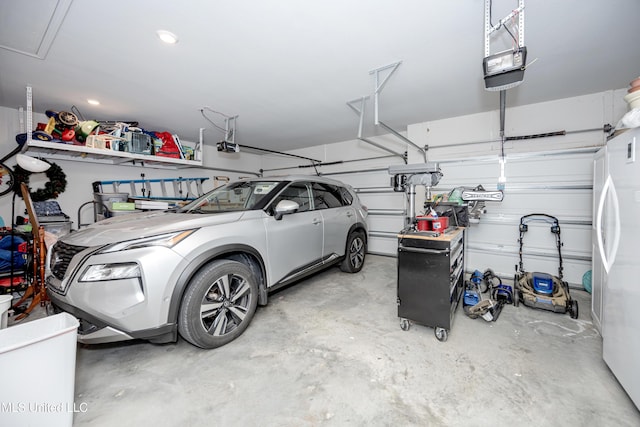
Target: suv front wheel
[218, 304]
[355, 253]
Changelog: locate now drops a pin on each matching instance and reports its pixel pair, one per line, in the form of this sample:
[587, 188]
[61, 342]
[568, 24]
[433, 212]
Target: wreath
[52, 189]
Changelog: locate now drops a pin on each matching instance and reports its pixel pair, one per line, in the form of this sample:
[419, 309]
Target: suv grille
[61, 256]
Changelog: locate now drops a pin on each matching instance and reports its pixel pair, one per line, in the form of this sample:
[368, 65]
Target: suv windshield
[236, 196]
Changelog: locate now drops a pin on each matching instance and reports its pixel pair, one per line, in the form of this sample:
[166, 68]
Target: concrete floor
[330, 351]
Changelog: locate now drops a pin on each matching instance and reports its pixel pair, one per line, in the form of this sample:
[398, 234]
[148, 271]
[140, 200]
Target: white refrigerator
[616, 271]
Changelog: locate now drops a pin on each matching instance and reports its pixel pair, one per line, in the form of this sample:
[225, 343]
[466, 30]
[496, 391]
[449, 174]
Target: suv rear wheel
[355, 253]
[218, 304]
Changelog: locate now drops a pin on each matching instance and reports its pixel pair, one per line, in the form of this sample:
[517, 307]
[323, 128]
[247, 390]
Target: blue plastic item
[542, 283]
[471, 297]
[586, 281]
[504, 293]
[476, 277]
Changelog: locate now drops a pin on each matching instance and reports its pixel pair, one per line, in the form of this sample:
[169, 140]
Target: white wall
[80, 174]
[570, 114]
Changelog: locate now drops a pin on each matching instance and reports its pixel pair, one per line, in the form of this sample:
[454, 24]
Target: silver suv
[201, 270]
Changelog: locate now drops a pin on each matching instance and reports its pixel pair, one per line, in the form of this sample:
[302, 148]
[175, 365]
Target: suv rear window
[347, 197]
[326, 196]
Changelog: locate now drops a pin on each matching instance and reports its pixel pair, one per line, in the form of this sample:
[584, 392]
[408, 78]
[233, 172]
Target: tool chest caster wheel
[404, 324]
[441, 334]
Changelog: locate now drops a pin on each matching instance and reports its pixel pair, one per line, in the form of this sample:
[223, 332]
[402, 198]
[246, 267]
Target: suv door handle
[349, 214]
[316, 221]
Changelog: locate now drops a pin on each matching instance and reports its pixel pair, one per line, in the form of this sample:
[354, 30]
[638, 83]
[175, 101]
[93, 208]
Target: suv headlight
[165, 240]
[100, 272]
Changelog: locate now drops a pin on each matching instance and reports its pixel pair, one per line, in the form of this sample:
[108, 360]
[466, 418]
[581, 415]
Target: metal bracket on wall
[360, 112]
[379, 84]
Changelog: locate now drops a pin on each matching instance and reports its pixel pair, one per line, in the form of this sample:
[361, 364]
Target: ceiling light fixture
[167, 37]
[93, 102]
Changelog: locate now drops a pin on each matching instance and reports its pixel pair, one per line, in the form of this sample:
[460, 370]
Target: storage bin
[38, 362]
[423, 223]
[440, 224]
[5, 305]
[106, 200]
[120, 213]
[427, 223]
[59, 228]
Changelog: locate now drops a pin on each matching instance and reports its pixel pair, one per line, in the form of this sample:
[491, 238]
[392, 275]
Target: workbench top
[450, 234]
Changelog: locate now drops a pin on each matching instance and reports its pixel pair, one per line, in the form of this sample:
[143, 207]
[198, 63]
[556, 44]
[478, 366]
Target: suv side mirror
[285, 207]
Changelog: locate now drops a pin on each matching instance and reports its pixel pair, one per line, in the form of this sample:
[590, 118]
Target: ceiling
[288, 68]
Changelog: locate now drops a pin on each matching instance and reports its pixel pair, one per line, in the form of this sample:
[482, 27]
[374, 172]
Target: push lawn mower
[542, 290]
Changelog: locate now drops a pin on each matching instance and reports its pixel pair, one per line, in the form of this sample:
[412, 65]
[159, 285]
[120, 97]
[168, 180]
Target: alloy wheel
[225, 304]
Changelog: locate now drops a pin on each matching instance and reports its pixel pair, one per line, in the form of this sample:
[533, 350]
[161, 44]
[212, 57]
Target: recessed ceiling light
[93, 102]
[167, 36]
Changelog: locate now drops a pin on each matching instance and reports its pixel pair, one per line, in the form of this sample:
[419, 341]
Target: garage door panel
[383, 245]
[556, 183]
[385, 223]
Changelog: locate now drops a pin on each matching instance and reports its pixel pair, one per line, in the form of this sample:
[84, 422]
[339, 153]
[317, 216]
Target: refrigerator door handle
[608, 259]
